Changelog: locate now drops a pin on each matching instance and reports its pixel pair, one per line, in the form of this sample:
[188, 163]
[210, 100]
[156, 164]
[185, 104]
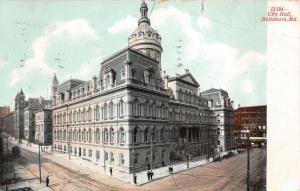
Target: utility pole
[248, 164]
[40, 162]
[67, 119]
[151, 158]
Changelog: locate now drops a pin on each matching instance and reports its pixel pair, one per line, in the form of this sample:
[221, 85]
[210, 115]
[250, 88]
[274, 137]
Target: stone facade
[43, 126]
[133, 116]
[20, 105]
[4, 111]
[24, 115]
[33, 105]
[220, 103]
[9, 123]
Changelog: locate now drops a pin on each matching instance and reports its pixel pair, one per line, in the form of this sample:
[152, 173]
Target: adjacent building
[132, 116]
[43, 126]
[250, 121]
[33, 104]
[9, 123]
[4, 110]
[24, 115]
[221, 105]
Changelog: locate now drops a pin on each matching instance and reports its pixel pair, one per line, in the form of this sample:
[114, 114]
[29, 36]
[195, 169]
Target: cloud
[124, 25]
[203, 22]
[74, 29]
[247, 86]
[3, 63]
[221, 64]
[88, 68]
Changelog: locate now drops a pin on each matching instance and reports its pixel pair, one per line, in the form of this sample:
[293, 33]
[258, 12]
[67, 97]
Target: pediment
[190, 79]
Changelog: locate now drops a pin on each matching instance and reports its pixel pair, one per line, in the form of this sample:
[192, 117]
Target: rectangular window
[105, 155]
[97, 155]
[90, 153]
[112, 157]
[84, 152]
[136, 158]
[122, 161]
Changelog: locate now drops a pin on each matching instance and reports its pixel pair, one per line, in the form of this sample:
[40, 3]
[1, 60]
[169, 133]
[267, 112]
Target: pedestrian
[169, 169]
[47, 181]
[148, 175]
[110, 170]
[151, 175]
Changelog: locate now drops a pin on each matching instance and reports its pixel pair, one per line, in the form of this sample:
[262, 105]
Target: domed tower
[54, 87]
[144, 38]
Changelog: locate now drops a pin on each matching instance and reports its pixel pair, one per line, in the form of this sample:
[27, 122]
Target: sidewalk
[25, 179]
[93, 170]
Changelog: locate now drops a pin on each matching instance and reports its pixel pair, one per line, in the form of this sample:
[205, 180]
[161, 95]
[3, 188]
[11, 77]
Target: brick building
[250, 121]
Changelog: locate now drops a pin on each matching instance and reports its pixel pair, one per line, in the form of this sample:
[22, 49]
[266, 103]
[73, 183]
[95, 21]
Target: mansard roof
[214, 90]
[140, 62]
[186, 78]
[68, 85]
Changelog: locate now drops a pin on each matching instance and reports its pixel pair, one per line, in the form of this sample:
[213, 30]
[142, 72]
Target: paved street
[230, 174]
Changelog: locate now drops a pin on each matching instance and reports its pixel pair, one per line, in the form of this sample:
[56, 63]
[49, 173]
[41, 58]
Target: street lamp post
[188, 161]
[134, 176]
[151, 158]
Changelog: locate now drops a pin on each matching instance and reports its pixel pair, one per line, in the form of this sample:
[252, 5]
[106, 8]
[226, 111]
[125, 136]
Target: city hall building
[133, 116]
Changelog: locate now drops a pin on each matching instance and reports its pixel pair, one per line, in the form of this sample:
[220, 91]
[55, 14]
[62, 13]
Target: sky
[222, 43]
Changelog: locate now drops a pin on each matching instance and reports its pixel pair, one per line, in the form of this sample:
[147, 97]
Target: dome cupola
[144, 38]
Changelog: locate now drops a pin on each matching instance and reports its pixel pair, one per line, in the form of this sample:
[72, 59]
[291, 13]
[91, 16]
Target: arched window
[65, 134]
[84, 135]
[97, 113]
[146, 109]
[74, 135]
[105, 156]
[146, 134]
[83, 115]
[162, 135]
[154, 110]
[112, 135]
[97, 136]
[162, 112]
[105, 133]
[54, 134]
[135, 108]
[153, 134]
[90, 135]
[79, 135]
[180, 95]
[150, 111]
[70, 117]
[121, 106]
[74, 116]
[70, 135]
[89, 114]
[111, 109]
[122, 135]
[135, 135]
[78, 115]
[105, 110]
